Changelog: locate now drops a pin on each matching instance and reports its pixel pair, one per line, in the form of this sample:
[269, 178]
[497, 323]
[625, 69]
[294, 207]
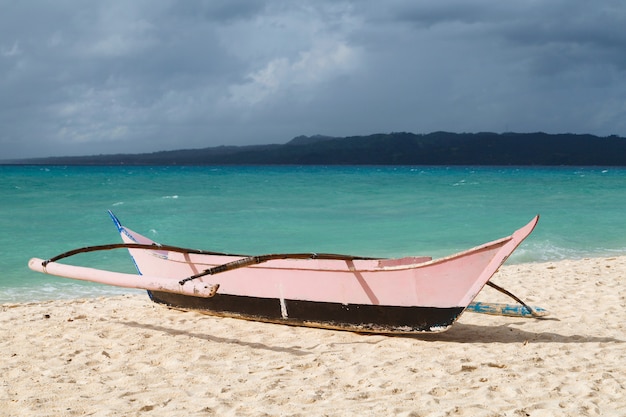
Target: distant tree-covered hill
[438, 148]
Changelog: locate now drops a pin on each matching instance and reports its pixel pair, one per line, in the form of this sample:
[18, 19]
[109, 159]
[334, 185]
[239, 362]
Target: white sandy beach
[126, 356]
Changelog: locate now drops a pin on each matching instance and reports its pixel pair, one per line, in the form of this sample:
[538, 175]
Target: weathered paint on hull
[353, 317]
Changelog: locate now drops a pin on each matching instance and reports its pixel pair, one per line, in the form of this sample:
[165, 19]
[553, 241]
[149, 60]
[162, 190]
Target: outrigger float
[343, 292]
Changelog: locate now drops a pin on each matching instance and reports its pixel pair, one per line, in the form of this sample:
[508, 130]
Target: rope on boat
[513, 296]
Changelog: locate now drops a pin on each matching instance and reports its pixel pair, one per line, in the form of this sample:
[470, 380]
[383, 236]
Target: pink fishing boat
[406, 295]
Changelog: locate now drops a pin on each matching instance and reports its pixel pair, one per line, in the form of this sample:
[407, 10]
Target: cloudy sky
[87, 77]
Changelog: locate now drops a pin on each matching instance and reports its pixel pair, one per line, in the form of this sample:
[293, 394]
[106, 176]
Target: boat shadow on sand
[216, 339]
[506, 333]
[459, 333]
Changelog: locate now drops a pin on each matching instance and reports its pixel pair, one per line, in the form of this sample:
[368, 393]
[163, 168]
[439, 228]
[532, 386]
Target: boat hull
[364, 318]
[409, 295]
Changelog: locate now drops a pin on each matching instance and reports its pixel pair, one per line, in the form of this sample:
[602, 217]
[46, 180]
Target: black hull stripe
[353, 317]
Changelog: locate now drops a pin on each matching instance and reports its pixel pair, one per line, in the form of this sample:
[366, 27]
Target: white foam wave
[60, 291]
[547, 251]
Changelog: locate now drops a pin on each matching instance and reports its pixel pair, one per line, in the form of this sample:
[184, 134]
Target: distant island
[437, 148]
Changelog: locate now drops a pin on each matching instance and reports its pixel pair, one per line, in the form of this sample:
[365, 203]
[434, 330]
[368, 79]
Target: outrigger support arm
[217, 269]
[132, 246]
[513, 296]
[253, 260]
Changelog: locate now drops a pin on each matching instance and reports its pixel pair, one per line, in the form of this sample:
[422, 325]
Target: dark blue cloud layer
[84, 78]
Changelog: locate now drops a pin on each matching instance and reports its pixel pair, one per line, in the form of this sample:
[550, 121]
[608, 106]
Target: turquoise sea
[369, 211]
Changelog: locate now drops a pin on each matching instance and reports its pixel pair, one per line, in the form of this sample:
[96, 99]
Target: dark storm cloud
[93, 77]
